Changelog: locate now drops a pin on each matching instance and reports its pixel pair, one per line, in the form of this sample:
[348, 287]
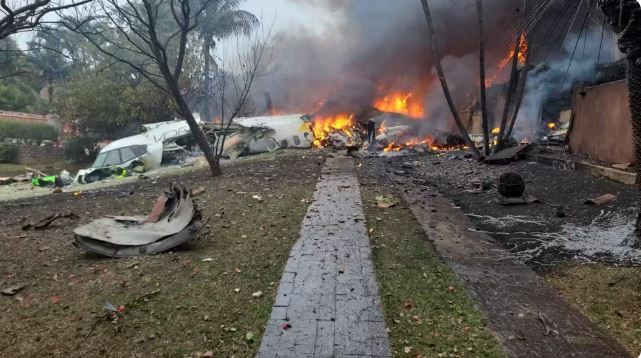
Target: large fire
[409, 104]
[405, 103]
[523, 49]
[322, 127]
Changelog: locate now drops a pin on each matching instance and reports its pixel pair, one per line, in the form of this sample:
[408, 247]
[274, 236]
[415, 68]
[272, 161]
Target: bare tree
[239, 66]
[18, 16]
[441, 77]
[151, 36]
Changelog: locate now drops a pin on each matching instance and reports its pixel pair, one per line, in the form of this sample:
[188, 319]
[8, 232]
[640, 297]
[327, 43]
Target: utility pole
[486, 125]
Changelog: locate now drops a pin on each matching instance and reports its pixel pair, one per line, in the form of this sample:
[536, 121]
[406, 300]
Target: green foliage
[81, 149]
[19, 97]
[104, 105]
[8, 153]
[26, 130]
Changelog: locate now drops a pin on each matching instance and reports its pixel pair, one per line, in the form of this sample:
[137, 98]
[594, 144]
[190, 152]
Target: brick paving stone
[328, 292]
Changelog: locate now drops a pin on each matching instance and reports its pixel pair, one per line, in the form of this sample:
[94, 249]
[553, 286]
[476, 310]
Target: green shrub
[26, 130]
[81, 149]
[8, 153]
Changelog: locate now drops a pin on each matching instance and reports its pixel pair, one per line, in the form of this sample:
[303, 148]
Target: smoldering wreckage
[175, 219]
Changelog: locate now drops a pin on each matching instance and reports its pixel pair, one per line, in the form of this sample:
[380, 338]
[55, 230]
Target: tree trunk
[199, 136]
[206, 113]
[187, 115]
[486, 125]
[441, 77]
[511, 88]
[625, 18]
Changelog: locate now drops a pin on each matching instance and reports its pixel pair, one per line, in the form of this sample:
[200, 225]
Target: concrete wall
[33, 154]
[601, 128]
[25, 117]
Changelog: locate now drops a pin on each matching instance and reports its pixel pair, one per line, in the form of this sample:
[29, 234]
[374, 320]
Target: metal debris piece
[12, 290]
[622, 166]
[45, 222]
[524, 200]
[602, 200]
[507, 156]
[197, 191]
[173, 221]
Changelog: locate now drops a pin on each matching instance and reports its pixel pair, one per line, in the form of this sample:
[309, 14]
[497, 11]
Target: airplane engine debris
[174, 220]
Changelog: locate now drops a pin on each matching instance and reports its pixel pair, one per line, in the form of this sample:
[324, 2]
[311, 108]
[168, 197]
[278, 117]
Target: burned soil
[560, 228]
[213, 295]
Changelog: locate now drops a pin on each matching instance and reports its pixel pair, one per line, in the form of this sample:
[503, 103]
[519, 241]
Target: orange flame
[400, 102]
[523, 48]
[323, 126]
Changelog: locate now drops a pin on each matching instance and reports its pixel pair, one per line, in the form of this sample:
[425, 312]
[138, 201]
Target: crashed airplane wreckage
[172, 143]
[174, 220]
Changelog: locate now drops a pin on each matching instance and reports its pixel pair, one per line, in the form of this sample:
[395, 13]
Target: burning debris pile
[392, 123]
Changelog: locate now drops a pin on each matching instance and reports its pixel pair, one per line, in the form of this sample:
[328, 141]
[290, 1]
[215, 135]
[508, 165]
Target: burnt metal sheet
[509, 155]
[174, 220]
[118, 251]
[136, 231]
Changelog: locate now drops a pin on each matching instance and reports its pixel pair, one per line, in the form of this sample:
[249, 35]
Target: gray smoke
[382, 45]
[556, 78]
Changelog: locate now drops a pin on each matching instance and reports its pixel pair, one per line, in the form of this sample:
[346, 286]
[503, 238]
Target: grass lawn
[427, 309]
[196, 301]
[609, 296]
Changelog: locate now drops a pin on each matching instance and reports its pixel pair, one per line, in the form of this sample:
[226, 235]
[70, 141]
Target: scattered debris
[508, 155]
[44, 223]
[197, 191]
[524, 200]
[12, 290]
[545, 324]
[257, 294]
[386, 201]
[602, 200]
[178, 222]
[249, 337]
[623, 166]
[617, 281]
[16, 179]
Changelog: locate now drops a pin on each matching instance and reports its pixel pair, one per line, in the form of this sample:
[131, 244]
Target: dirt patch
[427, 309]
[609, 296]
[197, 299]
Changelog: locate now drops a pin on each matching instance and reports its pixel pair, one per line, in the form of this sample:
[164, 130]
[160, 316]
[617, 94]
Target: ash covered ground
[535, 233]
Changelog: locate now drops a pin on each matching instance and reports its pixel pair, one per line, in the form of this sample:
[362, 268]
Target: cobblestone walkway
[327, 303]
